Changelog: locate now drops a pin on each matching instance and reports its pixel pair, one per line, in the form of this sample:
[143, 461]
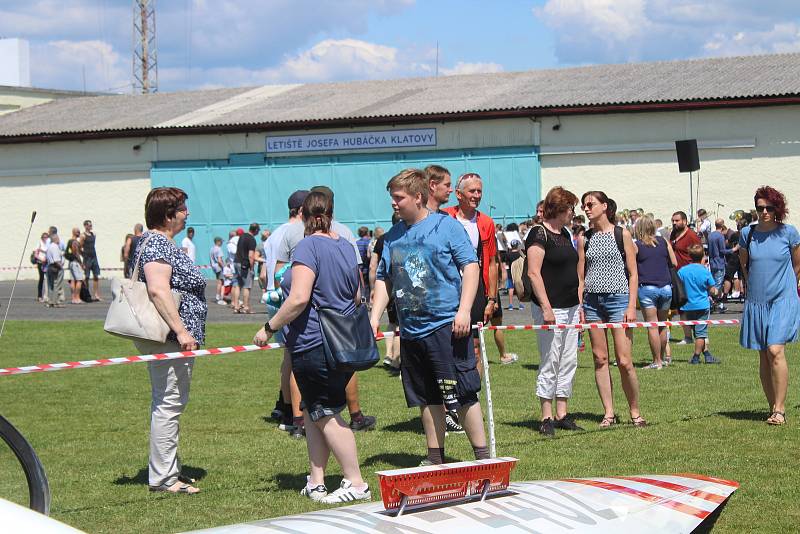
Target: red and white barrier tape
[102, 269]
[104, 362]
[603, 326]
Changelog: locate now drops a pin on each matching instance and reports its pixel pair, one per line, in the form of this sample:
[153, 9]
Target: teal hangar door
[232, 193]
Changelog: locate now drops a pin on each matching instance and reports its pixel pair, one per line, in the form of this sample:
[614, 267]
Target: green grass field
[90, 428]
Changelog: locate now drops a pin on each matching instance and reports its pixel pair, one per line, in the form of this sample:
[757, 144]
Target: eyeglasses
[182, 207]
[589, 205]
[768, 209]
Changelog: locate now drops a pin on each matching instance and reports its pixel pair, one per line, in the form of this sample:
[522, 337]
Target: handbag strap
[139, 252]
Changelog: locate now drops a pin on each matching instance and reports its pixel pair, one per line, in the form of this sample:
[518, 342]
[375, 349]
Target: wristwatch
[492, 300]
[268, 329]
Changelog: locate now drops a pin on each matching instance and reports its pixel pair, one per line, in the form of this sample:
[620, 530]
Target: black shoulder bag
[348, 340]
[679, 296]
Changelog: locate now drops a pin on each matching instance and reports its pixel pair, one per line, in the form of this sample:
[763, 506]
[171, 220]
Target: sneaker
[426, 463]
[276, 414]
[735, 294]
[667, 361]
[510, 307]
[221, 302]
[709, 358]
[347, 493]
[686, 341]
[451, 424]
[654, 365]
[315, 493]
[393, 371]
[567, 423]
[521, 307]
[546, 428]
[298, 432]
[367, 422]
[695, 359]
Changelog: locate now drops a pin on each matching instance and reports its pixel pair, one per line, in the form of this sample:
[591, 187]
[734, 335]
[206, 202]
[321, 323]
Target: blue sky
[218, 43]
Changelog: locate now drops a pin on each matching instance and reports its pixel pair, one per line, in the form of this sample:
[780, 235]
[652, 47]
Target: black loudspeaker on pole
[688, 159]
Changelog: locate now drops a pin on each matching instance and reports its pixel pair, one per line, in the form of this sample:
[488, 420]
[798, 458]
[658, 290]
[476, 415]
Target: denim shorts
[655, 297]
[321, 388]
[700, 330]
[605, 307]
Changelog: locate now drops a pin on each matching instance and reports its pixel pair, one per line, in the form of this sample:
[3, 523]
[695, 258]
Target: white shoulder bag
[132, 314]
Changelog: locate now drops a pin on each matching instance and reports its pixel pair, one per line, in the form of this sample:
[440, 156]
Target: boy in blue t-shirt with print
[699, 283]
[429, 266]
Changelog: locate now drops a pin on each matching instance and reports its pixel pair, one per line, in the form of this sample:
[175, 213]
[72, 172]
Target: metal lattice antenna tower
[145, 58]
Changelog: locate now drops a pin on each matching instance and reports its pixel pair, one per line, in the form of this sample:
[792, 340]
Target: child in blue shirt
[699, 283]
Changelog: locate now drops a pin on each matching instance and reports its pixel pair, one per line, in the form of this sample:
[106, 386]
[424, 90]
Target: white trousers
[558, 354]
[169, 383]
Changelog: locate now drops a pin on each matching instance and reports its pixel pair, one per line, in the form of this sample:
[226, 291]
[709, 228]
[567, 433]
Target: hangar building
[240, 152]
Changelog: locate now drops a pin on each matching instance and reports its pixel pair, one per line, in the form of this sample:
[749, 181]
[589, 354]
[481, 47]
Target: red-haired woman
[769, 252]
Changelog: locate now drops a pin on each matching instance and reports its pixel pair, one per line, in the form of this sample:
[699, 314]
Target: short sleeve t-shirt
[215, 256]
[423, 262]
[271, 253]
[335, 287]
[559, 267]
[246, 243]
[295, 233]
[681, 247]
[191, 250]
[697, 279]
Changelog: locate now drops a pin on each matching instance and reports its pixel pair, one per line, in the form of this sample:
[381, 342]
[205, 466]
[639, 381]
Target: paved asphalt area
[26, 307]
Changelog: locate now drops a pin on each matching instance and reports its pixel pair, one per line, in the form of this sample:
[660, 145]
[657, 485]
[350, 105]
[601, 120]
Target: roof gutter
[408, 119]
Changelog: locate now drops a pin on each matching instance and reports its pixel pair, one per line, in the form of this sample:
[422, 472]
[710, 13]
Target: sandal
[178, 487]
[776, 418]
[608, 421]
[237, 310]
[639, 421]
[246, 311]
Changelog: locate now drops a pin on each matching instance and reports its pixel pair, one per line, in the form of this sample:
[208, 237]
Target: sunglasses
[589, 205]
[467, 176]
[768, 209]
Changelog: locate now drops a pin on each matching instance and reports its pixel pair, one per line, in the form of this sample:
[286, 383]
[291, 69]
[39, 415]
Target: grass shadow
[411, 425]
[396, 459]
[141, 478]
[745, 415]
[531, 366]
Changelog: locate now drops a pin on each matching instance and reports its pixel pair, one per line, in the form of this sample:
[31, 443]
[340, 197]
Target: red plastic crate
[445, 482]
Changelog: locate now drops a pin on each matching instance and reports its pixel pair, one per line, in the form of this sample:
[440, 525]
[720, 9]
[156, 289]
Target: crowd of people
[54, 255]
[439, 270]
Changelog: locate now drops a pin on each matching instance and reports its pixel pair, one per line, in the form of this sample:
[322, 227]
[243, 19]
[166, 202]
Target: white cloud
[783, 37]
[332, 60]
[598, 31]
[471, 68]
[68, 64]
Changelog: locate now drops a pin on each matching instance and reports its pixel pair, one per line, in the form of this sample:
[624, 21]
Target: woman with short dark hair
[166, 269]
[769, 252]
[553, 270]
[324, 274]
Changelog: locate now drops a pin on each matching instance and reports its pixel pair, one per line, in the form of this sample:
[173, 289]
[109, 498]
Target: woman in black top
[553, 270]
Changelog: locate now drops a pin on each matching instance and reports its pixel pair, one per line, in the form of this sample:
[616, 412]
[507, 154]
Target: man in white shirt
[55, 272]
[188, 245]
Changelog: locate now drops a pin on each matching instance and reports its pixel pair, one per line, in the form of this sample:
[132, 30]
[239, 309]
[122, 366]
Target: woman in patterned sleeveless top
[610, 291]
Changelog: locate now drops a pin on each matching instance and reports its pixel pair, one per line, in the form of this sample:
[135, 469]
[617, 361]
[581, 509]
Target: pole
[488, 385]
[16, 277]
[691, 199]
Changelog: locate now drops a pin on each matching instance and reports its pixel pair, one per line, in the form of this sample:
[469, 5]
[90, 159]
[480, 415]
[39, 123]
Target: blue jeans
[655, 297]
[719, 277]
[605, 307]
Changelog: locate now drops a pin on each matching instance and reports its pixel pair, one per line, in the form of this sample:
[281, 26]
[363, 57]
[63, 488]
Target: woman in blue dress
[769, 252]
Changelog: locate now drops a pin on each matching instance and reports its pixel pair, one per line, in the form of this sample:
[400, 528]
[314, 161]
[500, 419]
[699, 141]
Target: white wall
[632, 157]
